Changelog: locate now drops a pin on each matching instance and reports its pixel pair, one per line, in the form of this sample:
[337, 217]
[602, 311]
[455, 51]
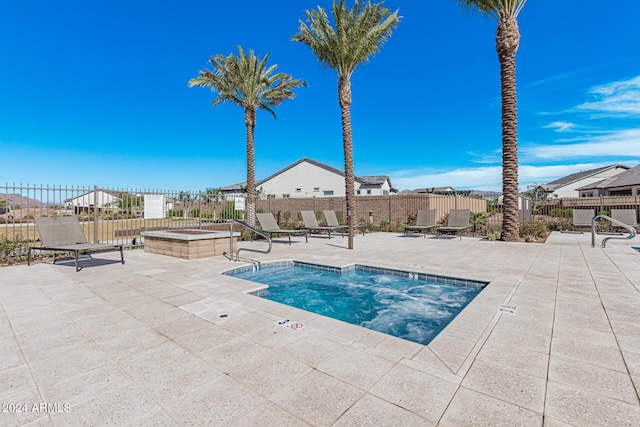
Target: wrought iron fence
[114, 215]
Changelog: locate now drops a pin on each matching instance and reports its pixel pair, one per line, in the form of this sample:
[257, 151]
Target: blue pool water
[412, 306]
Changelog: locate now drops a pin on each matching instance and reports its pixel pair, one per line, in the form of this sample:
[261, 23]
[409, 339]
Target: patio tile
[317, 398]
[182, 326]
[356, 367]
[217, 403]
[312, 349]
[418, 392]
[604, 356]
[269, 374]
[471, 408]
[178, 380]
[515, 357]
[233, 353]
[583, 408]
[374, 412]
[153, 359]
[86, 385]
[60, 367]
[269, 414]
[204, 339]
[116, 407]
[14, 381]
[593, 378]
[506, 384]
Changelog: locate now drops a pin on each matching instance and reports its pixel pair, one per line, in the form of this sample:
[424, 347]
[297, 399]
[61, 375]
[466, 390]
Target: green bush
[533, 230]
[175, 213]
[557, 212]
[13, 251]
[229, 211]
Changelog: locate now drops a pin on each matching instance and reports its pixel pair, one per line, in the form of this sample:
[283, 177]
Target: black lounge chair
[425, 221]
[459, 220]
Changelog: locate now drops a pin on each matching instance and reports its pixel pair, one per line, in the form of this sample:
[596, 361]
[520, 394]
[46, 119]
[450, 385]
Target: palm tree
[246, 81]
[359, 33]
[506, 12]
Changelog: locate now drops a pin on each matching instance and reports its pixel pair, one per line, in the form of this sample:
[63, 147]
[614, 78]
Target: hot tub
[189, 244]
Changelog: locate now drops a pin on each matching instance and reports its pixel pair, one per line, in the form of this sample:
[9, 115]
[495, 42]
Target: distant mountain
[14, 200]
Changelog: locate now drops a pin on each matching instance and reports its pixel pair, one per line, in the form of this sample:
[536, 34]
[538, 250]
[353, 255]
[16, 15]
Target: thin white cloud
[489, 178]
[561, 126]
[622, 143]
[616, 98]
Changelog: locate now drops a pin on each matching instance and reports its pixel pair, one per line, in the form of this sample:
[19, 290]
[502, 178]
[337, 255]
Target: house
[568, 185]
[100, 199]
[310, 178]
[626, 183]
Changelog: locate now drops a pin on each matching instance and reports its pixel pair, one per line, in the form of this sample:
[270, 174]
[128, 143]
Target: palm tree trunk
[344, 96]
[507, 41]
[250, 122]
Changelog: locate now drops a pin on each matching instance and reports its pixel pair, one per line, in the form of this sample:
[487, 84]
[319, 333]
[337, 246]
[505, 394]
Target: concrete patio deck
[145, 344]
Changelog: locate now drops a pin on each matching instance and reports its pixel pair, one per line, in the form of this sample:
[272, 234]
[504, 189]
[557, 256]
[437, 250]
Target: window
[286, 196]
[328, 193]
[316, 188]
[298, 190]
[357, 191]
[368, 191]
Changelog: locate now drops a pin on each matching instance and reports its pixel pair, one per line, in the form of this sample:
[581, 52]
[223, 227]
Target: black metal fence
[117, 215]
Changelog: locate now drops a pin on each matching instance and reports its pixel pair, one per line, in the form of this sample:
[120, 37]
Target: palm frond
[246, 80]
[355, 35]
[497, 9]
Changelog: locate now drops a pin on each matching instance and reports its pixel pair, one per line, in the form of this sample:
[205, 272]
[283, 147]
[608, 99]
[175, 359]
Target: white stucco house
[310, 178]
[568, 186]
[100, 199]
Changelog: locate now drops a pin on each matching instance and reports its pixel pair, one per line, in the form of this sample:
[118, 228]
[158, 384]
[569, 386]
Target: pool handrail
[255, 230]
[632, 231]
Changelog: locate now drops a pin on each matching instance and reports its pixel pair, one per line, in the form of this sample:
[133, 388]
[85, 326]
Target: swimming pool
[413, 306]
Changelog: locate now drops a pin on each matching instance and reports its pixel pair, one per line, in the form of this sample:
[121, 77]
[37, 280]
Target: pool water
[407, 305]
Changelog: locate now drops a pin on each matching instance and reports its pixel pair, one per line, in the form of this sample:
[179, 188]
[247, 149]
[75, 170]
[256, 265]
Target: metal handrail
[632, 231]
[244, 224]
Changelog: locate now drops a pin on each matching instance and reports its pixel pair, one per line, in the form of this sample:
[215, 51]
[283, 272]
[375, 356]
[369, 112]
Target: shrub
[557, 212]
[229, 211]
[533, 230]
[13, 251]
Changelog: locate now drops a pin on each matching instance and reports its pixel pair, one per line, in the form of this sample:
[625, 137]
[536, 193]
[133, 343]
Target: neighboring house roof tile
[575, 177]
[625, 179]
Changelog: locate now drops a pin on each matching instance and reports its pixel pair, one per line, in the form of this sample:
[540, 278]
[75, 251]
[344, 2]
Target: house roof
[364, 180]
[625, 179]
[575, 177]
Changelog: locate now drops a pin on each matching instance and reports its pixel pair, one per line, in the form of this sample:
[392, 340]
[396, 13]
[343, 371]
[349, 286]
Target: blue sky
[95, 92]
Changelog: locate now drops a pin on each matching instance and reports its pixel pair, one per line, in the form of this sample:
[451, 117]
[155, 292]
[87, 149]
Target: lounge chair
[582, 217]
[459, 220]
[270, 226]
[627, 216]
[332, 221]
[425, 221]
[311, 224]
[64, 234]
